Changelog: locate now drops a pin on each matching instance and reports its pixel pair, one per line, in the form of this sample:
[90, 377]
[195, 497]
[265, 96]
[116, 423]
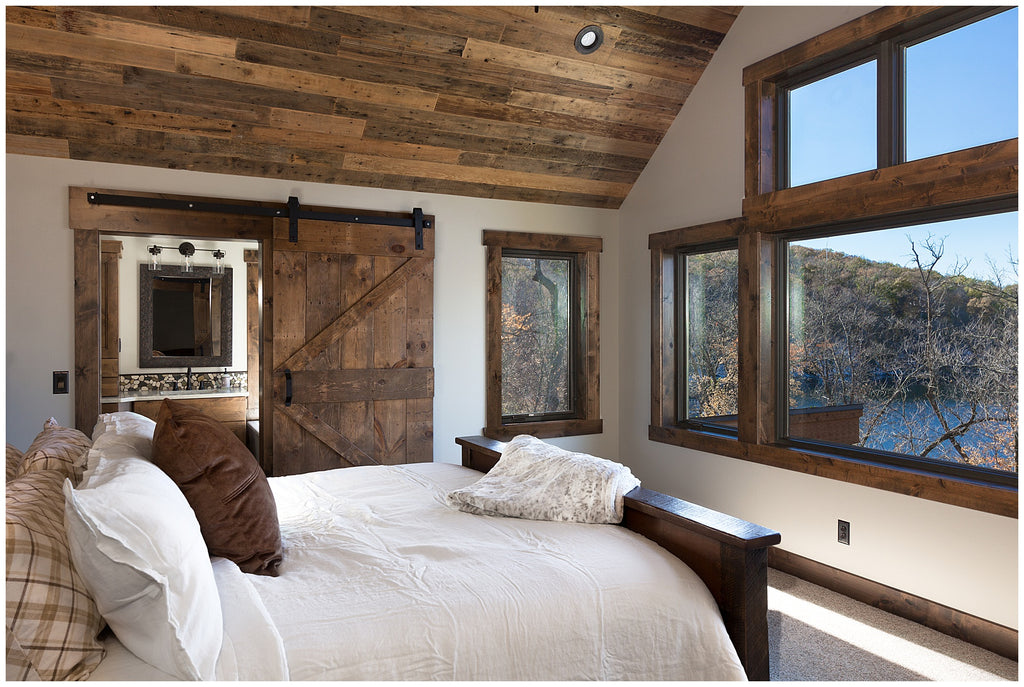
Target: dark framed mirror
[184, 317]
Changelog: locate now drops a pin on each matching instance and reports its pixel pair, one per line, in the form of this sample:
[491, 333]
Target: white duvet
[382, 580]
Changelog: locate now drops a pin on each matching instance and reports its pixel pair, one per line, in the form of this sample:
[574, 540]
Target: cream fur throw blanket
[538, 481]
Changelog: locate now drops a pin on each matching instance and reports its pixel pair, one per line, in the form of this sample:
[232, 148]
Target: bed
[380, 577]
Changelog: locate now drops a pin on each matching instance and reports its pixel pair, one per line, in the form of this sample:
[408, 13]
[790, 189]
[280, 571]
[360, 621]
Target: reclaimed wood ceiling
[485, 101]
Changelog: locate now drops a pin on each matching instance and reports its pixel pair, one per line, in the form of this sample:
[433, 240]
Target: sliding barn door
[352, 346]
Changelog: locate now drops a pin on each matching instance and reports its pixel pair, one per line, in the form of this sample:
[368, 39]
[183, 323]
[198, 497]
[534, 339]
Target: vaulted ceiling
[485, 101]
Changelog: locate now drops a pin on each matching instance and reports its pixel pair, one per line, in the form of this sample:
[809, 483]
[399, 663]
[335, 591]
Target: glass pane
[905, 340]
[832, 126]
[962, 87]
[535, 335]
[712, 363]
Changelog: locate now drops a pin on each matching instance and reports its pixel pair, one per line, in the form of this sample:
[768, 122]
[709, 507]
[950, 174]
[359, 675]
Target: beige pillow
[63, 449]
[52, 621]
[14, 456]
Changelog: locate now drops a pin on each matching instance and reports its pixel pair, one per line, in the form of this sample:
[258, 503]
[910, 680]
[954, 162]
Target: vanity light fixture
[589, 39]
[187, 251]
[218, 267]
[154, 259]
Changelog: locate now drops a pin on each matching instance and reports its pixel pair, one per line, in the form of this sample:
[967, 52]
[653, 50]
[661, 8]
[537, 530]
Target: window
[833, 125]
[876, 299]
[542, 348]
[709, 364]
[947, 84]
[904, 341]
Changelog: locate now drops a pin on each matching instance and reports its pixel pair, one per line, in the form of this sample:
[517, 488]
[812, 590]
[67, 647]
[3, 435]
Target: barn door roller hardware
[292, 211]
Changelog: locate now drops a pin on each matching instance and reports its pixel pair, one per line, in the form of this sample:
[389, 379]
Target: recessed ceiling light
[589, 39]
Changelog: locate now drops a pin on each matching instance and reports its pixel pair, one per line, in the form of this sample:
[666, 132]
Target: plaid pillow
[14, 457]
[52, 622]
[64, 449]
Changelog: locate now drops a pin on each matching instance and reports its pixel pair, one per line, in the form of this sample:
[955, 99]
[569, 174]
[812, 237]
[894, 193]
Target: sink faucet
[188, 378]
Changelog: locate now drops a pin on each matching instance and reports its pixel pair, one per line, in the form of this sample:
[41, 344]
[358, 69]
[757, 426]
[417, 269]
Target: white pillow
[136, 543]
[119, 435]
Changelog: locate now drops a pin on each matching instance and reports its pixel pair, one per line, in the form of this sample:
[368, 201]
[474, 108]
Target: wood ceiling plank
[614, 161]
[382, 121]
[39, 17]
[79, 21]
[121, 116]
[178, 86]
[147, 98]
[63, 44]
[421, 73]
[278, 14]
[654, 25]
[718, 19]
[56, 126]
[503, 177]
[457, 21]
[20, 83]
[397, 36]
[229, 24]
[529, 36]
[470, 107]
[342, 144]
[42, 146]
[515, 58]
[320, 123]
[642, 117]
[219, 164]
[688, 74]
[541, 166]
[64, 67]
[303, 82]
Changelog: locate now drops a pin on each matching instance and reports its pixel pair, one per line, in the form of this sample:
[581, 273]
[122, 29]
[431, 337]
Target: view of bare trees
[534, 335]
[932, 357]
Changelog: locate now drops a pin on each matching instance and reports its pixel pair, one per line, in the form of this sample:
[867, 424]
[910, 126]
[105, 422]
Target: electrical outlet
[844, 532]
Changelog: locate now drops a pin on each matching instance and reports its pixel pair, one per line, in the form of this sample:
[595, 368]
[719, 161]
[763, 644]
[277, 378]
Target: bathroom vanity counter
[226, 405]
[177, 395]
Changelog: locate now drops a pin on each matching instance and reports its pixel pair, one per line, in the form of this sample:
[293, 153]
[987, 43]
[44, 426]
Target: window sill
[545, 430]
[955, 491]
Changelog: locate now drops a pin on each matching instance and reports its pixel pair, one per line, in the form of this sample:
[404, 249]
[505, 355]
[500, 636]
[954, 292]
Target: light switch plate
[60, 381]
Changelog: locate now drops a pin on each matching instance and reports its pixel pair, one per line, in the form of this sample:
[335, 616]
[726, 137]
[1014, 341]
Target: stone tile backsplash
[164, 381]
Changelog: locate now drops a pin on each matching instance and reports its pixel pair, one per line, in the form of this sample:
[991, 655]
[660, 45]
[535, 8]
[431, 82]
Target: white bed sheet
[251, 648]
[382, 580]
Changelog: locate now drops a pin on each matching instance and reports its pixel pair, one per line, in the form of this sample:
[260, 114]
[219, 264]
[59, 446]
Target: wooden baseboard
[972, 629]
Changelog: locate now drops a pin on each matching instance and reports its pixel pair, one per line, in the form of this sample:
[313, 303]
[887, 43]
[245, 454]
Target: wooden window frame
[959, 181]
[584, 251]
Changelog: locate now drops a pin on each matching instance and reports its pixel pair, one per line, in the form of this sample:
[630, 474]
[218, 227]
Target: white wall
[135, 253]
[957, 557]
[40, 286]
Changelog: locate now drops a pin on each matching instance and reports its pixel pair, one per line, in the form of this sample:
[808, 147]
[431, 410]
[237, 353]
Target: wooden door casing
[352, 324]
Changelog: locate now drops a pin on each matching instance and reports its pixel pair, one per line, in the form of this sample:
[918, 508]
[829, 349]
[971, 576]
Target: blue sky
[961, 92]
[972, 240]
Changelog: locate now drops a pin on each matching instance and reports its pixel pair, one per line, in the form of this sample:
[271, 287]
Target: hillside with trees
[932, 357]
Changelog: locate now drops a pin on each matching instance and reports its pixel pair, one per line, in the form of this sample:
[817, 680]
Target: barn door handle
[287, 388]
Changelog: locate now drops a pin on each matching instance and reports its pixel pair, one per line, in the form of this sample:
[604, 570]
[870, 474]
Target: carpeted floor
[816, 634]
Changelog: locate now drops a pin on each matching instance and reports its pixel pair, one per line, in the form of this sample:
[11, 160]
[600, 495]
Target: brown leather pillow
[224, 485]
